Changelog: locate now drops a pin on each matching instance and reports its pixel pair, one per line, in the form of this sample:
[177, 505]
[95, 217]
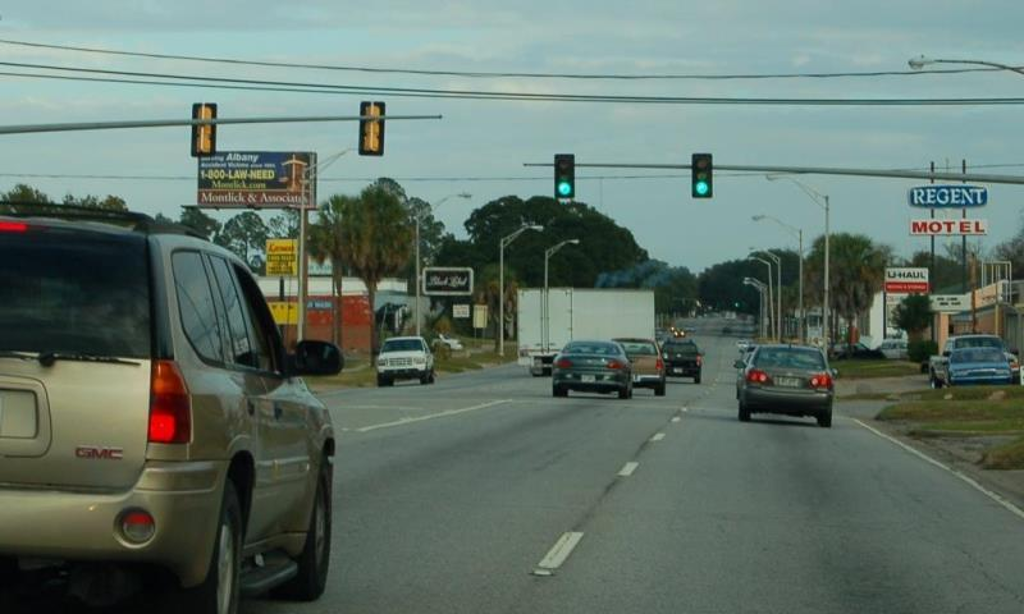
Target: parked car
[786, 379]
[152, 419]
[648, 365]
[405, 358]
[859, 351]
[451, 343]
[938, 366]
[894, 349]
[981, 365]
[592, 366]
[683, 358]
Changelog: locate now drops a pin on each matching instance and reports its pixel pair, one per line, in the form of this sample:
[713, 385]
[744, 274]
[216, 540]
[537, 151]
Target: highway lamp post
[778, 291]
[822, 201]
[750, 281]
[505, 241]
[419, 274]
[548, 253]
[920, 62]
[774, 325]
[799, 233]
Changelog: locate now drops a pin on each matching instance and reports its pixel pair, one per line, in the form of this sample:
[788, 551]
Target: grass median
[980, 414]
[359, 374]
[866, 369]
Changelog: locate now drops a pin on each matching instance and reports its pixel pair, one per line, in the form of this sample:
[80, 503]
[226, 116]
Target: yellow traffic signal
[204, 137]
[371, 131]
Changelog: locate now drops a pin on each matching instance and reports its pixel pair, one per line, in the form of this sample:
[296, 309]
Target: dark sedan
[592, 366]
[788, 380]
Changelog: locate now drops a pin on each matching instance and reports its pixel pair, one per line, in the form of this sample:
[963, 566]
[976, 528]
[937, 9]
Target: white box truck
[576, 313]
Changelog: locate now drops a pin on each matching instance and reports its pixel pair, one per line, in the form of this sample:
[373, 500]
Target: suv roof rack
[138, 222]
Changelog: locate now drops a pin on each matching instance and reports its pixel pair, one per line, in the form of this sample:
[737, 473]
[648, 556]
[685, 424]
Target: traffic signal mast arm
[814, 170]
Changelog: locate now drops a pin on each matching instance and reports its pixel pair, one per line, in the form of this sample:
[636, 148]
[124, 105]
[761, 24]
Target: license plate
[787, 382]
[677, 370]
[587, 379]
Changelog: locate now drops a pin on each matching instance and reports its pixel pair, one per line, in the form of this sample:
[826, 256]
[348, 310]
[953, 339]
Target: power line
[498, 74]
[321, 88]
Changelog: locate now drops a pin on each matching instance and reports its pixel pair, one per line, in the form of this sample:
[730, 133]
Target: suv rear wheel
[219, 593]
[8, 571]
[315, 559]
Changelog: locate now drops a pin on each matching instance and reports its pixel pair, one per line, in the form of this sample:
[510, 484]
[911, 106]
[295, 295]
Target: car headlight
[419, 360]
[382, 362]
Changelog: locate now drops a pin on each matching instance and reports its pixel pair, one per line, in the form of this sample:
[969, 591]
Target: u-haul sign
[906, 280]
[958, 228]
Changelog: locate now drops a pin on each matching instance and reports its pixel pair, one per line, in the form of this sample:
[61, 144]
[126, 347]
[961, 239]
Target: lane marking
[443, 414]
[1013, 509]
[558, 553]
[628, 469]
[658, 437]
[676, 419]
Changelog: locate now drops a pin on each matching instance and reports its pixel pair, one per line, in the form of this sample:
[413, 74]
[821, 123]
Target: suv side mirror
[317, 358]
[834, 372]
[947, 353]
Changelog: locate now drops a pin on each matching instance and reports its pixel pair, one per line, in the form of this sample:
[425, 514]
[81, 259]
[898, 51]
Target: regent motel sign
[956, 227]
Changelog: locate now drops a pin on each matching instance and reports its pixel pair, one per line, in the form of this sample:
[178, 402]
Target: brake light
[822, 380]
[661, 364]
[700, 361]
[13, 227]
[614, 364]
[564, 363]
[170, 412]
[757, 376]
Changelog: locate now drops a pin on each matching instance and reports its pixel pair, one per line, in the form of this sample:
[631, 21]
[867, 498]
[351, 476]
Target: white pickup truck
[405, 358]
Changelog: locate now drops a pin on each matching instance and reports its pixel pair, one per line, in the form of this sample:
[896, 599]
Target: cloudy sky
[492, 139]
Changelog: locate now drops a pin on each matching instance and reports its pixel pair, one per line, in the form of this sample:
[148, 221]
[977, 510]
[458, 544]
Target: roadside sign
[948, 196]
[282, 257]
[945, 228]
[448, 281]
[460, 312]
[256, 180]
[284, 312]
[950, 303]
[480, 316]
[906, 280]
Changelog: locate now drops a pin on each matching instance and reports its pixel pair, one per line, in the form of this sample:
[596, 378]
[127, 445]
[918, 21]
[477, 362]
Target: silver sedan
[786, 379]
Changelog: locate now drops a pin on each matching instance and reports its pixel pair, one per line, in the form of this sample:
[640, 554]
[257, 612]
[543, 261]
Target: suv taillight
[13, 227]
[822, 380]
[170, 412]
[661, 364]
[757, 376]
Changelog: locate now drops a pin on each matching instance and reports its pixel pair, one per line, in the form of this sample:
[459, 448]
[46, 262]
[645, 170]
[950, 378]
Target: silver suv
[151, 418]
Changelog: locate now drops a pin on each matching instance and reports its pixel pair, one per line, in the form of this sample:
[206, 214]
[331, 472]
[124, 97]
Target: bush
[920, 351]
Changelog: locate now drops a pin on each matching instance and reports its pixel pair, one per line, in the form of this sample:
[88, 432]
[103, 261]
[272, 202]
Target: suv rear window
[681, 347]
[79, 292]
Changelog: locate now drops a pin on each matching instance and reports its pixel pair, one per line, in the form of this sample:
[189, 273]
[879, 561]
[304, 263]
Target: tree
[857, 272]
[325, 244]
[914, 315]
[947, 273]
[375, 240]
[284, 225]
[194, 218]
[245, 234]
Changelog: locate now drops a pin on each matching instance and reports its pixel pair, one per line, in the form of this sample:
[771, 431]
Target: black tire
[433, 377]
[211, 597]
[935, 382]
[659, 390]
[383, 382]
[315, 559]
[696, 380]
[624, 392]
[424, 379]
[744, 412]
[559, 391]
[8, 571]
[825, 419]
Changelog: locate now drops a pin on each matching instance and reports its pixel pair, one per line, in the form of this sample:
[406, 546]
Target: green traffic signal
[565, 176]
[701, 188]
[564, 189]
[701, 173]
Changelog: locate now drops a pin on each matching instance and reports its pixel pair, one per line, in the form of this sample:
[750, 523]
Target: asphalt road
[453, 497]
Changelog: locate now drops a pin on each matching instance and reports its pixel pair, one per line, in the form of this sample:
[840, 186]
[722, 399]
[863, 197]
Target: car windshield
[979, 342]
[789, 358]
[639, 348]
[977, 355]
[74, 292]
[598, 348]
[402, 345]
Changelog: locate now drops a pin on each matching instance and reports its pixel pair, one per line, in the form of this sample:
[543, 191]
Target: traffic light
[565, 176]
[701, 182]
[204, 137]
[371, 131]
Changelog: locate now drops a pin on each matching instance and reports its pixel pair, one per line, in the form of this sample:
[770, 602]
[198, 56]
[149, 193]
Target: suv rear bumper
[184, 500]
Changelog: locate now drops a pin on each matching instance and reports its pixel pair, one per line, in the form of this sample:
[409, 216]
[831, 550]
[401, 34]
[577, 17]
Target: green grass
[865, 369]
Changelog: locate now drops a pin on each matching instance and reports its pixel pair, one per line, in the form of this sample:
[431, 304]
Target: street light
[822, 201]
[750, 281]
[778, 288]
[548, 253]
[921, 61]
[800, 241]
[419, 275]
[774, 323]
[505, 241]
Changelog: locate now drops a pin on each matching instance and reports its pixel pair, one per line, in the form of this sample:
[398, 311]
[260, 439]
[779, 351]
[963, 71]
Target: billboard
[962, 227]
[282, 257]
[904, 280]
[447, 281]
[256, 180]
[948, 196]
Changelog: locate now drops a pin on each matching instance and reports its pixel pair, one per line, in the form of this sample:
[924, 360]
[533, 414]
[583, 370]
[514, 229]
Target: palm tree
[858, 271]
[376, 240]
[325, 240]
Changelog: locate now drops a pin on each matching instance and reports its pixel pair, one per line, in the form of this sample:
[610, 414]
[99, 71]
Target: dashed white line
[558, 553]
[658, 437]
[628, 469]
[676, 419]
[443, 414]
[963, 476]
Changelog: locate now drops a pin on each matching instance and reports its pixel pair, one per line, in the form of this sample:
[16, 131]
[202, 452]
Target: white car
[894, 349]
[405, 358]
[452, 343]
